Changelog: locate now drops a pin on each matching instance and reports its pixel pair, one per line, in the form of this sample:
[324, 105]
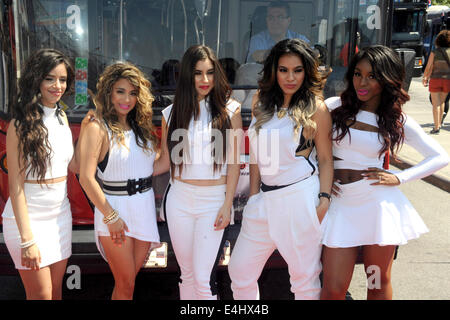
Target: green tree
[441, 2]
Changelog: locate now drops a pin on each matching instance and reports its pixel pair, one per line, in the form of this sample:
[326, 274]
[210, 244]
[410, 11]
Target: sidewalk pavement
[419, 107]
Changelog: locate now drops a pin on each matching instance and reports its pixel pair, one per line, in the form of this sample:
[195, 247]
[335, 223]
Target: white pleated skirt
[371, 215]
[50, 221]
[137, 211]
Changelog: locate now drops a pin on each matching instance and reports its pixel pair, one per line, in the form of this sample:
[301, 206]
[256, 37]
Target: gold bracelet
[112, 216]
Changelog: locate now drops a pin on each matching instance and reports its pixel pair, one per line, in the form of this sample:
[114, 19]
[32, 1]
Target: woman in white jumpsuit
[369, 210]
[197, 133]
[291, 172]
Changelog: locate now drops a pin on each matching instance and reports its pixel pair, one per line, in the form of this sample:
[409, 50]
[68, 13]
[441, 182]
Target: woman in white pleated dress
[37, 221]
[119, 147]
[367, 208]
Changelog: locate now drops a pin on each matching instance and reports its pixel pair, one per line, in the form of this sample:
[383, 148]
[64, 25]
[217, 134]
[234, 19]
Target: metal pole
[121, 31]
[218, 28]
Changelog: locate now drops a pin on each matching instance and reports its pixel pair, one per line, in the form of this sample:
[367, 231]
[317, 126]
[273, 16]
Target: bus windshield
[407, 25]
[153, 34]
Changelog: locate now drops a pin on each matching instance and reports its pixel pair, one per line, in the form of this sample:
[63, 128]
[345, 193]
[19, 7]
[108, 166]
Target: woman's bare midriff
[205, 183]
[348, 175]
[47, 181]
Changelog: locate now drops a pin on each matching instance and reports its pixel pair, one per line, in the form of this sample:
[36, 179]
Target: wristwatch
[325, 195]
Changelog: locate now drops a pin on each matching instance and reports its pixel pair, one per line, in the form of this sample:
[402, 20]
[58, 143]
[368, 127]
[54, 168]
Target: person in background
[367, 208]
[291, 174]
[119, 146]
[37, 220]
[278, 20]
[437, 77]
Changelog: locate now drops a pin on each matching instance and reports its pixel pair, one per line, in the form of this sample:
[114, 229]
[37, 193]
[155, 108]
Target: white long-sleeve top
[362, 150]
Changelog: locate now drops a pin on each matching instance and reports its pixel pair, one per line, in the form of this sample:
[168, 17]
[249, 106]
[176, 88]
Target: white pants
[283, 219]
[191, 212]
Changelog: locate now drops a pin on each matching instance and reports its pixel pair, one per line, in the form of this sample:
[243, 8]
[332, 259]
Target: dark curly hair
[390, 73]
[303, 103]
[34, 148]
[443, 39]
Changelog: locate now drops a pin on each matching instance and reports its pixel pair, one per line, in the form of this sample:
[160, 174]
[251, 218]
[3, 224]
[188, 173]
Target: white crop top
[128, 161]
[60, 141]
[361, 150]
[274, 150]
[199, 164]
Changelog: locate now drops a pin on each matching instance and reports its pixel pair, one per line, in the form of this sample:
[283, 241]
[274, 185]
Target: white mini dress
[376, 215]
[48, 206]
[129, 161]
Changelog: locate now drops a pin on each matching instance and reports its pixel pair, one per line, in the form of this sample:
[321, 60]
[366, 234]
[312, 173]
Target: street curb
[436, 180]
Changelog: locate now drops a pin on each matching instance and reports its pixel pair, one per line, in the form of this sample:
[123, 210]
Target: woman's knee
[125, 282]
[334, 289]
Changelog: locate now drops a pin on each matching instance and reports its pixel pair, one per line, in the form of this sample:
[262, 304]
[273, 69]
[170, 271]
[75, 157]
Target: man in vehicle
[278, 20]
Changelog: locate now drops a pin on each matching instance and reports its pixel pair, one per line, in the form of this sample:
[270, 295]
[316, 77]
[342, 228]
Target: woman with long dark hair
[37, 221]
[119, 148]
[200, 132]
[291, 173]
[367, 209]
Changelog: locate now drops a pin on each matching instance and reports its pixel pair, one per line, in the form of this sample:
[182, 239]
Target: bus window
[154, 34]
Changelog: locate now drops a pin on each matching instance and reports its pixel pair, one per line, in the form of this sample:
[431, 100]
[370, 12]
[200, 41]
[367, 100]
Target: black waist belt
[127, 188]
[266, 188]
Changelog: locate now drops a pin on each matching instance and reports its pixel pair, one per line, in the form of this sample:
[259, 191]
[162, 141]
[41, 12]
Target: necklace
[281, 112]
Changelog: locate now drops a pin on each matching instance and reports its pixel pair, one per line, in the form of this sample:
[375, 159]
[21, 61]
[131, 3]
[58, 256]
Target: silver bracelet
[27, 244]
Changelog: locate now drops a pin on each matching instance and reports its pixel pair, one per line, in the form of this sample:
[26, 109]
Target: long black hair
[302, 105]
[34, 148]
[390, 73]
[186, 105]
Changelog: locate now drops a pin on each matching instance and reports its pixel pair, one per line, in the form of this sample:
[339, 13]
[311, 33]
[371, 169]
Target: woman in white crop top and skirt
[119, 147]
[367, 208]
[291, 174]
[201, 134]
[37, 221]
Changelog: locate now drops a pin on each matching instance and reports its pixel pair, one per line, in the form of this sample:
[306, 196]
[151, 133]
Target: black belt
[266, 188]
[127, 188]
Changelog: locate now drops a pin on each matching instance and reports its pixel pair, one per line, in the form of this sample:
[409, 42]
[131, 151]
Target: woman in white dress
[120, 147]
[37, 221]
[368, 209]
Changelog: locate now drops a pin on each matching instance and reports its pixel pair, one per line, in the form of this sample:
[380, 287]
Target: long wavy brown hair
[390, 73]
[186, 105]
[303, 103]
[34, 149]
[140, 118]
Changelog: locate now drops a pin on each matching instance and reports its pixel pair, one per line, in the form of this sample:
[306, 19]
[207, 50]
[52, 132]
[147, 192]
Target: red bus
[153, 34]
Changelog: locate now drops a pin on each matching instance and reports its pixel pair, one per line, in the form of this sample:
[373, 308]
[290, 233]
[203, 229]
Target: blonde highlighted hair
[304, 102]
[140, 118]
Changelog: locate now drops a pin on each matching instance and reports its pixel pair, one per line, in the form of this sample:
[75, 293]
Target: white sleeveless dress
[138, 210]
[48, 206]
